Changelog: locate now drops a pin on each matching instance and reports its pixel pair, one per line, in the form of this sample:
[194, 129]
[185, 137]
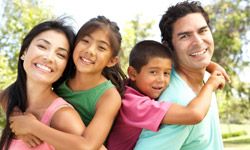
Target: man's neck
[194, 78]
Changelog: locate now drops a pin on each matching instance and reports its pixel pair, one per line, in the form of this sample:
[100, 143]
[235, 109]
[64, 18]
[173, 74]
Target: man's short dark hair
[176, 12]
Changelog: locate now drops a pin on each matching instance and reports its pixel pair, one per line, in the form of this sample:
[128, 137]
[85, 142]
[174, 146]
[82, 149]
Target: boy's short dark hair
[145, 50]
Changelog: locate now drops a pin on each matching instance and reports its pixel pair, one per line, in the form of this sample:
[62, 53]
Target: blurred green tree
[18, 18]
[134, 31]
[230, 21]
[6, 74]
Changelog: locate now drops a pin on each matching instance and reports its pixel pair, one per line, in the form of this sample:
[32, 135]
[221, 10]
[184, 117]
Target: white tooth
[43, 67]
[198, 53]
[86, 60]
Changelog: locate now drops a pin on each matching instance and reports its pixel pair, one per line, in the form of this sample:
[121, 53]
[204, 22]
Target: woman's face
[46, 57]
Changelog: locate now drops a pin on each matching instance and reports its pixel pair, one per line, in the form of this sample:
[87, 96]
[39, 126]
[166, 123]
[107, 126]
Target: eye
[153, 72]
[40, 46]
[62, 55]
[203, 30]
[184, 36]
[166, 74]
[85, 41]
[101, 48]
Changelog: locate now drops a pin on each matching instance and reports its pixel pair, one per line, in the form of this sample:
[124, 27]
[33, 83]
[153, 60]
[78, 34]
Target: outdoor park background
[138, 20]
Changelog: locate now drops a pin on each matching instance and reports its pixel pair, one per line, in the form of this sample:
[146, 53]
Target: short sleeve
[142, 112]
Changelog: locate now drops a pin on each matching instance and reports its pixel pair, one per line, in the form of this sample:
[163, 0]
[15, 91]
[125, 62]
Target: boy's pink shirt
[137, 112]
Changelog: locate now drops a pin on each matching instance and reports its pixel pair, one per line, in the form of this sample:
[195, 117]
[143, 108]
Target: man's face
[193, 42]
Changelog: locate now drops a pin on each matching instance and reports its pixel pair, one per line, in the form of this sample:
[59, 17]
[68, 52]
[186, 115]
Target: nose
[91, 49]
[48, 56]
[160, 78]
[197, 38]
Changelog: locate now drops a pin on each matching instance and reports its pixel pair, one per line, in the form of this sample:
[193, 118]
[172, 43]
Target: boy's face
[153, 77]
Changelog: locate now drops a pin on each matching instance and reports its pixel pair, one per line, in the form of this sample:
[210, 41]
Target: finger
[16, 111]
[11, 120]
[31, 144]
[13, 130]
[218, 74]
[11, 125]
[226, 76]
[222, 83]
[36, 140]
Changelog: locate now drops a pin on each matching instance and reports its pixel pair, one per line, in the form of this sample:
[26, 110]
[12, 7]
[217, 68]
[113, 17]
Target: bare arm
[216, 67]
[197, 109]
[93, 136]
[65, 122]
[106, 111]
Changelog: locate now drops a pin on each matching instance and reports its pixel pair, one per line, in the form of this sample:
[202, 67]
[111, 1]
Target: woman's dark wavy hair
[176, 12]
[16, 93]
[115, 73]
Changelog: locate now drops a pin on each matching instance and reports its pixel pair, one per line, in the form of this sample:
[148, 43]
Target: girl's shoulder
[111, 96]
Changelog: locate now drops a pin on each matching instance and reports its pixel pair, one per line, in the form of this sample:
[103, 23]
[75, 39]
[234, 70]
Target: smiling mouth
[43, 67]
[157, 88]
[199, 53]
[86, 61]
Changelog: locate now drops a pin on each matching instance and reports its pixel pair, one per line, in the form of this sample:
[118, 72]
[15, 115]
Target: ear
[23, 55]
[113, 61]
[132, 73]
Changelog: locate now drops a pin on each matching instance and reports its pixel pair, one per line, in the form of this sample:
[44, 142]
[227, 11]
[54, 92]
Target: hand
[20, 125]
[31, 140]
[216, 67]
[16, 112]
[216, 80]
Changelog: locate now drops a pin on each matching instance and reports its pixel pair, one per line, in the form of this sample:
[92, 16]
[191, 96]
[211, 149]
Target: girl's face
[153, 78]
[46, 57]
[93, 53]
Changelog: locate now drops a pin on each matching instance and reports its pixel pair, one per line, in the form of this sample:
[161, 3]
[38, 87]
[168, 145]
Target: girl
[43, 58]
[90, 89]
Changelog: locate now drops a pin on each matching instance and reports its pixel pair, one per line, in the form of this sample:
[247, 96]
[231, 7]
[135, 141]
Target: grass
[236, 143]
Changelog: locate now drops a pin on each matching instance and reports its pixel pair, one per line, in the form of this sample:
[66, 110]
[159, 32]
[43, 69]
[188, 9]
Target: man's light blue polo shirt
[203, 136]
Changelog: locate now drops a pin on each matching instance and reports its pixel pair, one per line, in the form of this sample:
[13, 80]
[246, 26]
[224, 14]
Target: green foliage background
[230, 20]
[18, 18]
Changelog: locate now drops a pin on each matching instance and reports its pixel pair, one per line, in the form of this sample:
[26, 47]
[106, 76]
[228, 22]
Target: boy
[149, 70]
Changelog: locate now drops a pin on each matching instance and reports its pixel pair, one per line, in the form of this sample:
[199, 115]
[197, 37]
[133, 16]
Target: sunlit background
[141, 18]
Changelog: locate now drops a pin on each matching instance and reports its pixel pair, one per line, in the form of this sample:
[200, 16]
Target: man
[185, 28]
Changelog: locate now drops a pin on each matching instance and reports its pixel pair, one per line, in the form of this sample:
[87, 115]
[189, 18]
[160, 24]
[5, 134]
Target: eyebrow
[101, 41]
[105, 43]
[156, 67]
[188, 32]
[61, 48]
[204, 27]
